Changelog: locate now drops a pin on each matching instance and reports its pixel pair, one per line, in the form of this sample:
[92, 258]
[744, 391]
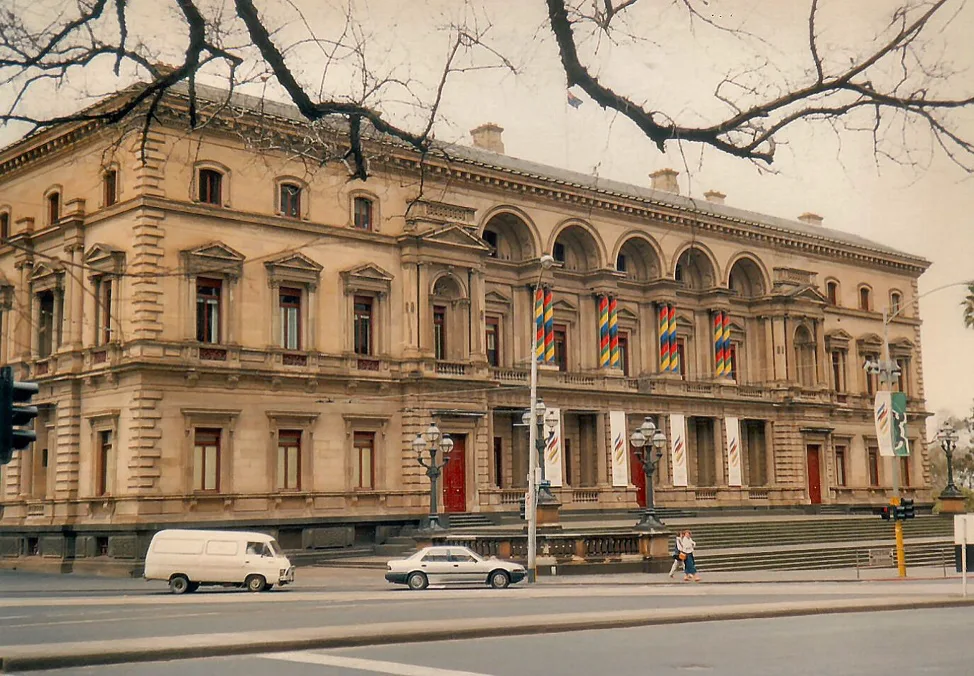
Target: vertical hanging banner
[901, 445]
[732, 430]
[549, 328]
[603, 332]
[539, 324]
[883, 411]
[727, 345]
[678, 449]
[664, 339]
[718, 344]
[552, 452]
[615, 361]
[620, 448]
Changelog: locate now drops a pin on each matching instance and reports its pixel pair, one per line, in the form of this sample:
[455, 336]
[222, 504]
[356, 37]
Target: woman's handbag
[683, 557]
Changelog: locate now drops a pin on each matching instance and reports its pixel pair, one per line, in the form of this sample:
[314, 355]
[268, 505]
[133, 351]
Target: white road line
[376, 666]
[153, 618]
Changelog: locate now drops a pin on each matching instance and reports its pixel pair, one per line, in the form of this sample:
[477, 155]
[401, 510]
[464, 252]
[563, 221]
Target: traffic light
[885, 512]
[16, 415]
[909, 509]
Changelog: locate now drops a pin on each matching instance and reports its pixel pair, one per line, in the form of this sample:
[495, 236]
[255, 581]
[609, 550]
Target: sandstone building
[232, 332]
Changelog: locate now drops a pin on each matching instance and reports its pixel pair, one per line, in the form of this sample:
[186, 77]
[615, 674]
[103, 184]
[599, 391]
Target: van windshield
[275, 548]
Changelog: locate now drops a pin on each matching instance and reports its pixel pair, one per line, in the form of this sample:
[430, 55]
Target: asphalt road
[930, 642]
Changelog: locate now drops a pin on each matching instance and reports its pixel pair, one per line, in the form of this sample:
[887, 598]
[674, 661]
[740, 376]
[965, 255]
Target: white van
[190, 558]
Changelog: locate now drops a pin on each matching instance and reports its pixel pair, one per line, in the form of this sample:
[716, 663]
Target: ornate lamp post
[648, 433]
[948, 441]
[546, 422]
[430, 442]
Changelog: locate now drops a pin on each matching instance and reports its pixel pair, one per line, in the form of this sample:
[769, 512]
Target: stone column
[477, 323]
[312, 324]
[603, 446]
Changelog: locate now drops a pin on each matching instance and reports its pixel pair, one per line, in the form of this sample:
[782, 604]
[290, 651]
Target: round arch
[578, 233]
[645, 252]
[517, 235]
[447, 286]
[711, 269]
[755, 282]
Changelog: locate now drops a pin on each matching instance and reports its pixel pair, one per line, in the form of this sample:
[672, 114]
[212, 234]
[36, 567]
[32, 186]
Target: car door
[436, 564]
[466, 568]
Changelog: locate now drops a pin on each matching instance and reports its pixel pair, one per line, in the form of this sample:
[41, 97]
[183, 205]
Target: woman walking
[678, 555]
[687, 545]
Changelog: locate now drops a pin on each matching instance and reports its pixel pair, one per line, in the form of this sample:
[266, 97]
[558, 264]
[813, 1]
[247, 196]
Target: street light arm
[913, 301]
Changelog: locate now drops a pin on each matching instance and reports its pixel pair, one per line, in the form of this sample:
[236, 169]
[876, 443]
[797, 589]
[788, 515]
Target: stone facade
[227, 333]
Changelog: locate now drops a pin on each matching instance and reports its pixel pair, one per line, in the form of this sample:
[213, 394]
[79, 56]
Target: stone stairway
[468, 520]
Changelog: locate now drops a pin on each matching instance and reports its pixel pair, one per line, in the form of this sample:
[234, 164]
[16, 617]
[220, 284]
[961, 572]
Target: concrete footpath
[48, 656]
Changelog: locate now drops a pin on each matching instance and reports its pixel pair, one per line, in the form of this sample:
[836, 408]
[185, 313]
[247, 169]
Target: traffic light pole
[886, 374]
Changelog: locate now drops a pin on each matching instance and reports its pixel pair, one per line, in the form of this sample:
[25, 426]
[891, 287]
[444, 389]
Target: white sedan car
[452, 565]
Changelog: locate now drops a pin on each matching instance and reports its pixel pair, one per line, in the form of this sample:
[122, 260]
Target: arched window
[832, 292]
[4, 224]
[109, 181]
[895, 302]
[865, 298]
[53, 207]
[362, 216]
[290, 200]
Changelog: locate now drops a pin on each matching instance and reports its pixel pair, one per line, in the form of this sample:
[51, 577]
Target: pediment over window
[293, 267]
[901, 347]
[496, 298]
[837, 339]
[802, 293]
[684, 324]
[563, 305]
[367, 278]
[213, 258]
[45, 277]
[870, 340]
[105, 259]
[456, 235]
[625, 315]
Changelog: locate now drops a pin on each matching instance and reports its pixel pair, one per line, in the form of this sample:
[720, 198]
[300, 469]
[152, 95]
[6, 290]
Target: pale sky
[922, 209]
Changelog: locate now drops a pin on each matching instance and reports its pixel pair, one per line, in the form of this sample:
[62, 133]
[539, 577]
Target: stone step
[394, 550]
[935, 554]
[468, 520]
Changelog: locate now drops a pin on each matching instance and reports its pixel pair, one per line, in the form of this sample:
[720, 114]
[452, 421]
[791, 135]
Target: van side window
[221, 548]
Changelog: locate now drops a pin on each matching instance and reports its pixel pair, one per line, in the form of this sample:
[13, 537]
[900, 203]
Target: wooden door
[455, 478]
[636, 477]
[814, 475]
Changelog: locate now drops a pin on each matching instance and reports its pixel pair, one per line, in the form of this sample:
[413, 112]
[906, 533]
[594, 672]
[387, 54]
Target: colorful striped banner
[719, 343]
[664, 339]
[539, 324]
[603, 332]
[674, 351]
[614, 334]
[727, 345]
[549, 328]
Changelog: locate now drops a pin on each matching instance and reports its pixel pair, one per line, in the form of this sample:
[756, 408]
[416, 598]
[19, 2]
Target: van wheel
[179, 584]
[255, 583]
[417, 581]
[499, 579]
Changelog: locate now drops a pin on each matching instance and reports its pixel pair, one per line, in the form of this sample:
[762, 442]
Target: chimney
[488, 137]
[810, 218]
[665, 180]
[715, 196]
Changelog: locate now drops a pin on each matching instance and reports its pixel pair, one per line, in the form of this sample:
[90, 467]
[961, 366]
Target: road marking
[153, 618]
[377, 666]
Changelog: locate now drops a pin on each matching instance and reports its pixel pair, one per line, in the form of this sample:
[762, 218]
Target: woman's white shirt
[686, 545]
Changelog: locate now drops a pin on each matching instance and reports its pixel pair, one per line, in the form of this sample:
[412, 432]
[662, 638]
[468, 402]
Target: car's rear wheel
[499, 579]
[417, 581]
[179, 584]
[255, 583]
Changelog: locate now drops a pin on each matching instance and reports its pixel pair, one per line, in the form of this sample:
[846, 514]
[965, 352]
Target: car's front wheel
[499, 579]
[417, 581]
[179, 584]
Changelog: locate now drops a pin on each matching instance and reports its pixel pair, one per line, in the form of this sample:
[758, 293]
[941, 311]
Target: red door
[455, 478]
[637, 477]
[814, 476]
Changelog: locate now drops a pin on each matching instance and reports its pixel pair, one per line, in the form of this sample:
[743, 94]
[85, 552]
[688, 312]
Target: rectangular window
[362, 325]
[439, 332]
[904, 471]
[289, 460]
[45, 327]
[208, 292]
[211, 187]
[290, 305]
[840, 459]
[561, 346]
[4, 225]
[206, 459]
[624, 353]
[110, 183]
[873, 457]
[103, 311]
[681, 356]
[903, 379]
[363, 213]
[569, 464]
[490, 237]
[864, 299]
[291, 200]
[53, 208]
[363, 461]
[732, 357]
[838, 370]
[832, 292]
[558, 252]
[499, 462]
[103, 484]
[492, 341]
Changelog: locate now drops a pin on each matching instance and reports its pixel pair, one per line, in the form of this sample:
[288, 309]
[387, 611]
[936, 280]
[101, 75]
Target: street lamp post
[948, 441]
[431, 442]
[546, 423]
[649, 434]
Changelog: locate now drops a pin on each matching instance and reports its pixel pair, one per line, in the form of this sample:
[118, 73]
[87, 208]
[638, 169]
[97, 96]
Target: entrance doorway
[455, 477]
[813, 452]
